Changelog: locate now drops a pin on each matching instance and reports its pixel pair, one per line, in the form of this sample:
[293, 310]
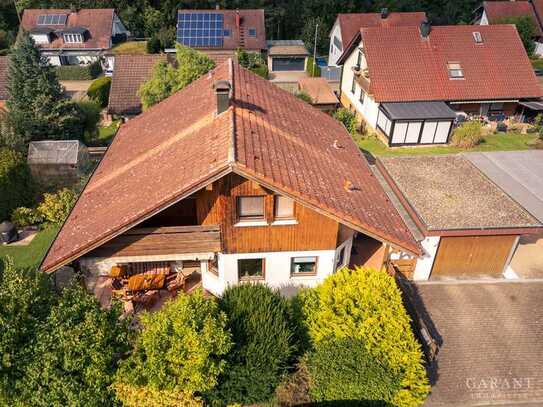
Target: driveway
[491, 342]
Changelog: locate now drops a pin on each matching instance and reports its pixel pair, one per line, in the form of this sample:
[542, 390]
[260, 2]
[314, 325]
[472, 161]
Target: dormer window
[455, 70]
[73, 38]
[252, 32]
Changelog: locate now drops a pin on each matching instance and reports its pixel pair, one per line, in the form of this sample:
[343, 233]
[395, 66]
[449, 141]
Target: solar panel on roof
[52, 19]
[200, 30]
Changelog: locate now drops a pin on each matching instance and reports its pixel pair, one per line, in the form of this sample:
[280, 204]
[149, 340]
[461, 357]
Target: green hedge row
[78, 72]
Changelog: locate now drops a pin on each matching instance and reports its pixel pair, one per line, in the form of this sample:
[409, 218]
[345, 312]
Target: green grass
[106, 134]
[537, 63]
[492, 142]
[31, 255]
[131, 47]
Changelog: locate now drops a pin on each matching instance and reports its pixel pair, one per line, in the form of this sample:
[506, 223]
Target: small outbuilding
[321, 93]
[287, 59]
[57, 161]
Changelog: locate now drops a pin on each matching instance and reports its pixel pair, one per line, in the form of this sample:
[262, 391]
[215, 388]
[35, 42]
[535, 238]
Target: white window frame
[73, 38]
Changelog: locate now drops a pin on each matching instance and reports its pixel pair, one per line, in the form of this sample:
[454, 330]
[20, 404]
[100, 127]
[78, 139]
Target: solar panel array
[52, 19]
[200, 29]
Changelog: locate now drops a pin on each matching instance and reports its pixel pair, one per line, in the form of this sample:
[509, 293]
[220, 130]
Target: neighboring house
[131, 71]
[494, 12]
[57, 161]
[73, 37]
[223, 176]
[321, 93]
[3, 81]
[409, 83]
[348, 25]
[287, 59]
[467, 225]
[219, 33]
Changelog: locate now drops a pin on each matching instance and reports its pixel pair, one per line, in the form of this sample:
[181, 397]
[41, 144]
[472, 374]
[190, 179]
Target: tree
[366, 305]
[264, 344]
[526, 30]
[178, 354]
[167, 80]
[75, 353]
[152, 21]
[36, 107]
[16, 186]
[26, 298]
[308, 35]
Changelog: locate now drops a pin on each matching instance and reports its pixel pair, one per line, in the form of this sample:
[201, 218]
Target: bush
[16, 185]
[252, 61]
[262, 332]
[91, 113]
[304, 96]
[348, 119]
[177, 355]
[23, 217]
[153, 45]
[261, 70]
[56, 207]
[79, 72]
[366, 305]
[342, 369]
[311, 63]
[468, 134]
[99, 91]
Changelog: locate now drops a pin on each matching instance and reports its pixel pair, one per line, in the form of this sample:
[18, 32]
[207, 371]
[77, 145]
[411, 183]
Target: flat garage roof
[518, 173]
[449, 193]
[418, 110]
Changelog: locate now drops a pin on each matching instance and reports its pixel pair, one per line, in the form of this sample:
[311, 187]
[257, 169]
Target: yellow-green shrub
[366, 304]
[56, 207]
[468, 134]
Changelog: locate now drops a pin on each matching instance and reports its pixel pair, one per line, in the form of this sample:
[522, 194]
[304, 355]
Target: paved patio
[491, 352]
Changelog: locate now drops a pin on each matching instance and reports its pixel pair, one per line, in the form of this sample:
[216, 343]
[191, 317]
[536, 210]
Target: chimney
[217, 6]
[222, 91]
[425, 28]
[384, 13]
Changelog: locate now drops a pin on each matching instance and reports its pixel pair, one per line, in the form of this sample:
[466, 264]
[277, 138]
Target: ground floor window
[303, 266]
[250, 269]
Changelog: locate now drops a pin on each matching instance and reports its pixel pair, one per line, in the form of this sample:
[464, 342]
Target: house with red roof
[409, 83]
[73, 36]
[219, 32]
[347, 26]
[495, 12]
[224, 182]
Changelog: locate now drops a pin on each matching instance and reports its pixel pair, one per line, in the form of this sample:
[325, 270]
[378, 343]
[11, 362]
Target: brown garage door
[472, 256]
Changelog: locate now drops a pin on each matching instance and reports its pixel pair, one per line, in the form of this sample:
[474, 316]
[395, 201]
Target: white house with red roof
[347, 26]
[73, 36]
[409, 83]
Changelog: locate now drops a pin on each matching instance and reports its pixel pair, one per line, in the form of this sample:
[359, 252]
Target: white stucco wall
[333, 52]
[484, 19]
[423, 269]
[370, 108]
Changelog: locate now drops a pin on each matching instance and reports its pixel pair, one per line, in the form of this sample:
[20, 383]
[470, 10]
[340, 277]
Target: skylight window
[52, 19]
[252, 32]
[455, 70]
[478, 37]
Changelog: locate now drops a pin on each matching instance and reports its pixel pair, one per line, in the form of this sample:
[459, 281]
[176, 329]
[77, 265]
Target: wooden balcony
[162, 241]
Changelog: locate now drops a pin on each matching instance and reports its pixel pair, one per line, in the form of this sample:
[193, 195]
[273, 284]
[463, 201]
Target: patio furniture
[119, 271]
[143, 282]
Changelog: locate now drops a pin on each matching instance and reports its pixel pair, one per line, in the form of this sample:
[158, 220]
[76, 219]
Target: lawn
[131, 47]
[106, 134]
[492, 142]
[31, 255]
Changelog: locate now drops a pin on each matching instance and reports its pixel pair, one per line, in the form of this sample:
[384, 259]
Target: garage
[471, 256]
[415, 123]
[288, 64]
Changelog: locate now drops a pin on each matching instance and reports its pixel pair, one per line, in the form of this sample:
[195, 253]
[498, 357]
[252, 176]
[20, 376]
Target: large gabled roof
[495, 69]
[98, 23]
[267, 135]
[497, 11]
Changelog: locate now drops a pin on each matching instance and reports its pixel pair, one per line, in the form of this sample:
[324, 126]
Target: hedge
[263, 335]
[366, 305]
[16, 185]
[78, 72]
[309, 70]
[98, 90]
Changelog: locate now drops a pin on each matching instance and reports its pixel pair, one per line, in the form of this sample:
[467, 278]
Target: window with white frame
[455, 70]
[300, 266]
[73, 38]
[251, 269]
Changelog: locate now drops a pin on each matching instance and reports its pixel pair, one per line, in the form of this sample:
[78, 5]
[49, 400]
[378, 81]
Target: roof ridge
[232, 146]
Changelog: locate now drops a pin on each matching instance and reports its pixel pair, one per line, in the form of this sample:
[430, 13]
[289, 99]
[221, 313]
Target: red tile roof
[496, 69]
[98, 22]
[130, 72]
[4, 78]
[350, 23]
[496, 11]
[180, 144]
[249, 19]
[538, 8]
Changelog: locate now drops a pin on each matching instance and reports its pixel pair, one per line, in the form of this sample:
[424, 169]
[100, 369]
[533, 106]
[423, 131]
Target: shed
[320, 92]
[470, 225]
[58, 161]
[287, 55]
